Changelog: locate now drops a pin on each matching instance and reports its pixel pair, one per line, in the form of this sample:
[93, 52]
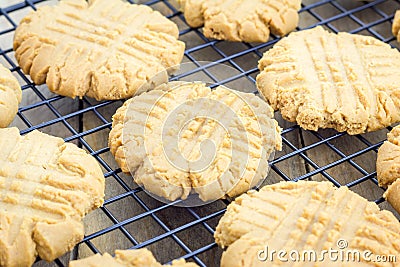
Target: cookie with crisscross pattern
[344, 81]
[306, 217]
[191, 139]
[106, 49]
[46, 188]
[242, 20]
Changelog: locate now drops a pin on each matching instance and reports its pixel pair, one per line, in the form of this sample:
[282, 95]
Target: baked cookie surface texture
[303, 217]
[242, 20]
[343, 81]
[46, 188]
[131, 258]
[396, 25]
[388, 167]
[189, 138]
[10, 96]
[105, 49]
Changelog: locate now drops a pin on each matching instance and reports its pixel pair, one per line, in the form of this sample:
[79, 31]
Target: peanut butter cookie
[190, 138]
[105, 49]
[396, 25]
[344, 81]
[46, 188]
[132, 258]
[306, 217]
[388, 167]
[242, 20]
[10, 96]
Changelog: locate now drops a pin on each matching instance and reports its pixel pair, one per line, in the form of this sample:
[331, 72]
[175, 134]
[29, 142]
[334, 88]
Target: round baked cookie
[388, 167]
[132, 258]
[343, 81]
[188, 138]
[396, 25]
[47, 187]
[105, 49]
[10, 96]
[307, 218]
[242, 20]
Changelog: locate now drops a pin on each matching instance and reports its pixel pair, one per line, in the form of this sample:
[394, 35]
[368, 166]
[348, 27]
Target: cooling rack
[132, 219]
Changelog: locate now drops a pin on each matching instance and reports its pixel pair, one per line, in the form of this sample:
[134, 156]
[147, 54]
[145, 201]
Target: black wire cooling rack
[132, 219]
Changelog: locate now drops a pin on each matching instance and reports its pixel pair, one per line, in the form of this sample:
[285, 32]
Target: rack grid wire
[87, 122]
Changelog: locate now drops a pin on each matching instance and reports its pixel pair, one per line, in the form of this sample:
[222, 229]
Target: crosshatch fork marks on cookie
[160, 139]
[324, 80]
[326, 153]
[104, 49]
[242, 20]
[46, 188]
[310, 215]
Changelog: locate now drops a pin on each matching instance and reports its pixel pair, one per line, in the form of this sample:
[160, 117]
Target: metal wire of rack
[87, 122]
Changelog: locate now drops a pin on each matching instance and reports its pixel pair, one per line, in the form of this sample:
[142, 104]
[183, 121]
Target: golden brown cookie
[46, 188]
[343, 81]
[388, 160]
[306, 216]
[392, 195]
[106, 49]
[194, 139]
[388, 167]
[10, 96]
[242, 20]
[396, 25]
[132, 258]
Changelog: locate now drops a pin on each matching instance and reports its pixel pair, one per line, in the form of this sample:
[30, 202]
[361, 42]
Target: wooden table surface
[197, 236]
